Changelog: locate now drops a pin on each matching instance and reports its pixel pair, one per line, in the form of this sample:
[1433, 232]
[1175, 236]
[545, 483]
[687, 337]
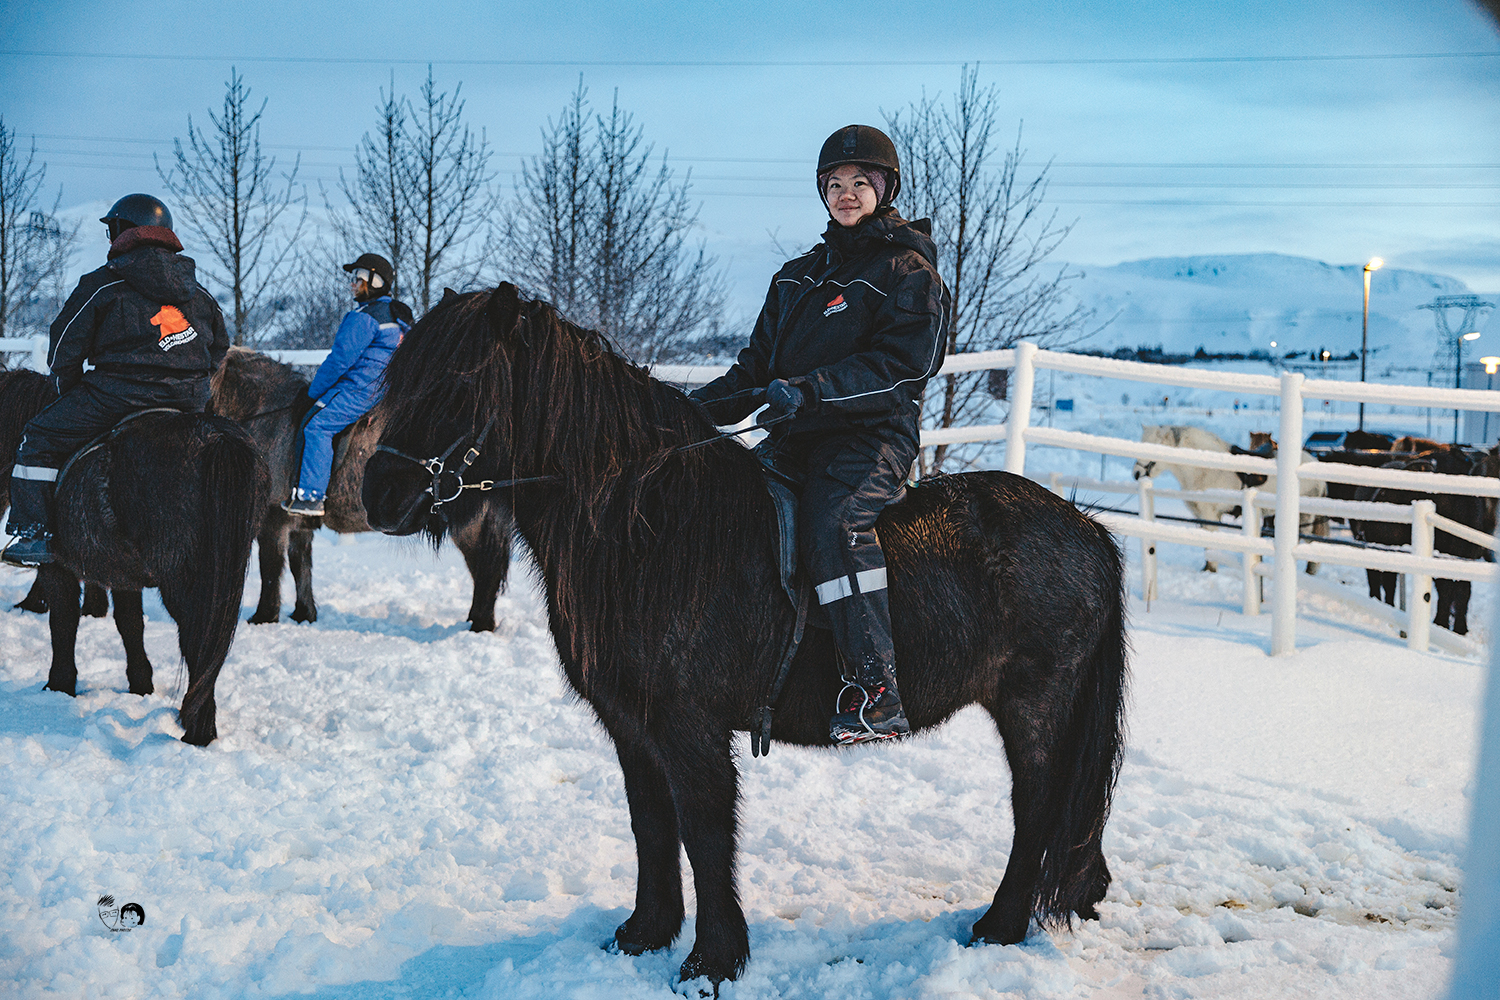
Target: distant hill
[1243, 302]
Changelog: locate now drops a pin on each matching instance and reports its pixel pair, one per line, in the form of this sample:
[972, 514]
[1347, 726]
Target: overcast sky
[1173, 128]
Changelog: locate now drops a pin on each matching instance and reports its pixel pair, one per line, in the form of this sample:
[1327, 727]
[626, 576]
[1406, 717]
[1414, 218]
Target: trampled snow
[399, 808]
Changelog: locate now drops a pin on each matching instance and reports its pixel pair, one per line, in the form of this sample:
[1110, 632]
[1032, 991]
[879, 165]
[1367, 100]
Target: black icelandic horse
[659, 566]
[268, 399]
[1451, 600]
[169, 500]
[23, 394]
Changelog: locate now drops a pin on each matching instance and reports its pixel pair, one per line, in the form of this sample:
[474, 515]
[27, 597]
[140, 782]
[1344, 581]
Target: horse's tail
[235, 488]
[1074, 874]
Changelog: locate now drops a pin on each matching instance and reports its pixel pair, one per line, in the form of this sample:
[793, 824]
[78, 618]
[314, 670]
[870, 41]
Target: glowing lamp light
[1375, 264]
[1472, 336]
[1273, 343]
[1491, 364]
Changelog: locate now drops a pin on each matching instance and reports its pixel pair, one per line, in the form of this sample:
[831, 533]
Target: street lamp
[1491, 366]
[1458, 372]
[1375, 264]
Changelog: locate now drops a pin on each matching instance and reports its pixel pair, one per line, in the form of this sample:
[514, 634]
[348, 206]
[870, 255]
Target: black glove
[782, 400]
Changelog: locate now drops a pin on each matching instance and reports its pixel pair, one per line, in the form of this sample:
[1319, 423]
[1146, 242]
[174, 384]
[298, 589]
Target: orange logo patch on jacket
[837, 305]
[175, 328]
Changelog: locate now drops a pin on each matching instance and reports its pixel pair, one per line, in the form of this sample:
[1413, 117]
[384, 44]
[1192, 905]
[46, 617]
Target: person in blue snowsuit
[348, 383]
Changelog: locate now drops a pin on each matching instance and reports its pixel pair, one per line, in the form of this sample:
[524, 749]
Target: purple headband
[879, 180]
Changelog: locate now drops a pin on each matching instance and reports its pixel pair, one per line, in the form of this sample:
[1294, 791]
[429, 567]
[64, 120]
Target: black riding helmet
[136, 210]
[864, 145]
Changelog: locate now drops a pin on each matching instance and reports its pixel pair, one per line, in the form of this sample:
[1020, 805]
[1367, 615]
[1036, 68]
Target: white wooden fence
[1288, 504]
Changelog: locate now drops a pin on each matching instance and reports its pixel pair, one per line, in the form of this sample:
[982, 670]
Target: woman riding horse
[850, 333]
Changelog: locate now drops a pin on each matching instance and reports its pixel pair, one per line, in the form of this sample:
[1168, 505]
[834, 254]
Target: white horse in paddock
[1193, 478]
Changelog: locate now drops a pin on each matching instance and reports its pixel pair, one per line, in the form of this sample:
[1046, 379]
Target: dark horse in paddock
[1452, 599]
[167, 500]
[268, 399]
[23, 394]
[659, 566]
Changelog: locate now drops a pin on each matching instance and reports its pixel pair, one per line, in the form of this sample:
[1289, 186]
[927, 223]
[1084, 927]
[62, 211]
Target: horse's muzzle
[394, 496]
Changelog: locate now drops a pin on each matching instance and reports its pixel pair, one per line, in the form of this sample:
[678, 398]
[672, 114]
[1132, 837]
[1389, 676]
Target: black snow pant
[78, 416]
[847, 479]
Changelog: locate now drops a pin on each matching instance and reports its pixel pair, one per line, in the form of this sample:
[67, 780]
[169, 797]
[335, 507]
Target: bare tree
[603, 235]
[309, 303]
[34, 245]
[445, 191]
[994, 239]
[376, 218]
[231, 201]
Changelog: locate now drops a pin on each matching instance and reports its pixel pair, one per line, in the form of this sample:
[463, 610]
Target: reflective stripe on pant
[850, 480]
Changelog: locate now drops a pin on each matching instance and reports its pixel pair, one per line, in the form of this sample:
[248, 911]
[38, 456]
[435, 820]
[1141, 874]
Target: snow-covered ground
[399, 808]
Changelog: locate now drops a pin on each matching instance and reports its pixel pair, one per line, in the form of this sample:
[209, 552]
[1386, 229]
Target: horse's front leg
[485, 544]
[130, 622]
[60, 589]
[657, 919]
[299, 556]
[700, 770]
[272, 549]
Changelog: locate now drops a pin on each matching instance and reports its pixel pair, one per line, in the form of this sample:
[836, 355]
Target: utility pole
[1453, 340]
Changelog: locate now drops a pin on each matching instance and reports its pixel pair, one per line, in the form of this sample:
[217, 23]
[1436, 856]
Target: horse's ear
[503, 309]
[448, 293]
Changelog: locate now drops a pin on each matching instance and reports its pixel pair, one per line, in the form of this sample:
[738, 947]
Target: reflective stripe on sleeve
[870, 580]
[34, 472]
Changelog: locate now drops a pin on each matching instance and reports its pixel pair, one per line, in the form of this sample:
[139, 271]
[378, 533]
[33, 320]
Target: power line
[756, 63]
[804, 161]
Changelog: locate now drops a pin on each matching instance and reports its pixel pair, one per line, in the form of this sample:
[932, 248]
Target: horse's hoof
[484, 626]
[625, 943]
[260, 619]
[304, 617]
[70, 690]
[34, 605]
[994, 934]
[698, 968]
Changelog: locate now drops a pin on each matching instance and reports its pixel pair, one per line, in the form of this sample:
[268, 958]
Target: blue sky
[1236, 149]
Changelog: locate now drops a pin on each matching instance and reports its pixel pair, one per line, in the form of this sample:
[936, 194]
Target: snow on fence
[1288, 505]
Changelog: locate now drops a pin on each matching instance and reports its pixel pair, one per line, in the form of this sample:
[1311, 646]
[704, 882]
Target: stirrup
[850, 727]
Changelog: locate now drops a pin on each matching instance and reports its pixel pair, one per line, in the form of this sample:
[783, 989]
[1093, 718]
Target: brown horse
[269, 399]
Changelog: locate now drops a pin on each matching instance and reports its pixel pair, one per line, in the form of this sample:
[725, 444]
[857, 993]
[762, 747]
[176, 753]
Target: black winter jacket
[142, 316]
[858, 323]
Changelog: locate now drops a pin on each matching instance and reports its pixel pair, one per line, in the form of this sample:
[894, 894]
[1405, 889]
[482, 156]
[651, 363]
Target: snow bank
[399, 808]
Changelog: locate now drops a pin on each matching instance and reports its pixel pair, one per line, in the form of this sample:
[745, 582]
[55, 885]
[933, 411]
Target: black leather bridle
[448, 484]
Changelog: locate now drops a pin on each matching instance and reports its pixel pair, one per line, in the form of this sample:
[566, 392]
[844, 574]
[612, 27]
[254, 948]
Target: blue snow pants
[336, 410]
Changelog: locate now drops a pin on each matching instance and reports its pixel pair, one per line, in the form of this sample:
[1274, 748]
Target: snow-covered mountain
[1244, 302]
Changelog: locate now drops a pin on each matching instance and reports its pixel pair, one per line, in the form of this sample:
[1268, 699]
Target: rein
[437, 465]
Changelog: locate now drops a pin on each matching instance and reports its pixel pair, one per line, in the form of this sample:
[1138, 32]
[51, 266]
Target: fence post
[1419, 613]
[1250, 519]
[39, 354]
[1020, 408]
[1288, 518]
[1148, 545]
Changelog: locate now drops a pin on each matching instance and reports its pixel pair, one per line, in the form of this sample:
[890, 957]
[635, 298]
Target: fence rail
[1293, 389]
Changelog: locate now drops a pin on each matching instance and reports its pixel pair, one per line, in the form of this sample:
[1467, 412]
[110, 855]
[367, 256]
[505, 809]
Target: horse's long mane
[645, 514]
[461, 364]
[23, 394]
[249, 383]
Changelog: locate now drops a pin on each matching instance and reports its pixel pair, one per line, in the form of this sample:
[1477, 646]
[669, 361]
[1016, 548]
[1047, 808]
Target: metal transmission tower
[1450, 346]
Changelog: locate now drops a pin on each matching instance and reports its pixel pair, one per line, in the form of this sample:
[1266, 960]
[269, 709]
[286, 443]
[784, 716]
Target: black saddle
[110, 435]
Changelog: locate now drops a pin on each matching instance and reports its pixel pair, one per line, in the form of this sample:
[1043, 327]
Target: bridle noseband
[448, 484]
